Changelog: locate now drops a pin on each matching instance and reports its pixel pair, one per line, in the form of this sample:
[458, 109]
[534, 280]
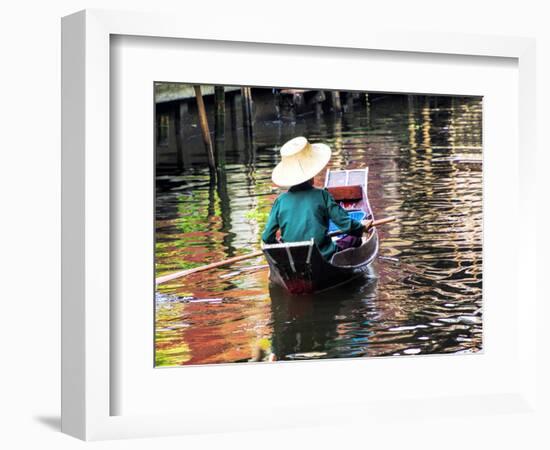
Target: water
[423, 295]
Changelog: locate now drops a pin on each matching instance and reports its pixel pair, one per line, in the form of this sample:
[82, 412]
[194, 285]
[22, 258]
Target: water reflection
[424, 155]
[323, 325]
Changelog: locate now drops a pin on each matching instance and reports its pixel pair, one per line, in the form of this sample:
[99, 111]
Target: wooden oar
[183, 273]
[225, 262]
[373, 224]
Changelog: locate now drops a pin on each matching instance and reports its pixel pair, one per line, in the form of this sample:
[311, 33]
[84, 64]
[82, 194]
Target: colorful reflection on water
[423, 294]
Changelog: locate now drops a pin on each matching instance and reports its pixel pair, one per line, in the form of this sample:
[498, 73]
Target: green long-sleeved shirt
[303, 213]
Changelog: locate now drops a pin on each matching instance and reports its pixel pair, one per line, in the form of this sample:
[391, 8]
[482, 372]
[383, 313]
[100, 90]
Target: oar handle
[373, 224]
[383, 221]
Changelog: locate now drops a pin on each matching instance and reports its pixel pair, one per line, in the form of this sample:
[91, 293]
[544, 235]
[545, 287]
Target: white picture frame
[87, 326]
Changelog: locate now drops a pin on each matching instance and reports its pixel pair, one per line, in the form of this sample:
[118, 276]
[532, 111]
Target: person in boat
[303, 212]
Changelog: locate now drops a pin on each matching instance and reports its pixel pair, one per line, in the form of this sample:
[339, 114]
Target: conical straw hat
[300, 161]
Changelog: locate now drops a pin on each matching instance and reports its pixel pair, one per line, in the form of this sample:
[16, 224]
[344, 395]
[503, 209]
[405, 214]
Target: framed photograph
[411, 285]
[263, 231]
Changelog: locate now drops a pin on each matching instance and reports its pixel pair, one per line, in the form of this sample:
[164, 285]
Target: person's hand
[366, 225]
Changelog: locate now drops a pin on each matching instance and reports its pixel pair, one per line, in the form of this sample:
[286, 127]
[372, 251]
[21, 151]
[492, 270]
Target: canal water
[423, 294]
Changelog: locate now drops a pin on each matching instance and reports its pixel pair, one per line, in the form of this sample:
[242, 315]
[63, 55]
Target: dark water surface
[424, 293]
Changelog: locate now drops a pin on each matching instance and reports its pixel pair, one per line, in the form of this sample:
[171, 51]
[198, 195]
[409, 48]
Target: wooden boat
[300, 268]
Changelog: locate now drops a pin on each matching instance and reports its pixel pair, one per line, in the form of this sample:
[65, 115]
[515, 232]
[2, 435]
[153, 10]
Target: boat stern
[291, 265]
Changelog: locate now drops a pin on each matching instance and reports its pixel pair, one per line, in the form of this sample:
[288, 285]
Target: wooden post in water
[205, 130]
[248, 122]
[348, 106]
[250, 105]
[219, 129]
[233, 102]
[244, 104]
[318, 100]
[367, 107]
[336, 104]
[248, 108]
[410, 103]
[219, 96]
